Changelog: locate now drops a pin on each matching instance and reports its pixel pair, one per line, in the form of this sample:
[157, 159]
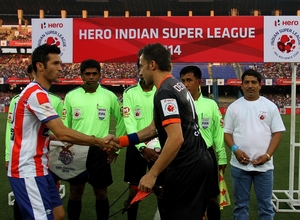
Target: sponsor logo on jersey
[126, 112]
[64, 114]
[169, 107]
[137, 113]
[9, 117]
[76, 113]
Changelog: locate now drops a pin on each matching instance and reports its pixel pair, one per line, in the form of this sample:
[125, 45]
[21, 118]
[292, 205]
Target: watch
[141, 149]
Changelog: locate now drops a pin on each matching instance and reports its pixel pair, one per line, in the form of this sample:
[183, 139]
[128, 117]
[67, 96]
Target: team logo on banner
[282, 39]
[54, 32]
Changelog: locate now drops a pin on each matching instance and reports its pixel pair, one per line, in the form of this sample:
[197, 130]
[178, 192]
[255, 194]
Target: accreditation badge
[101, 113]
[205, 122]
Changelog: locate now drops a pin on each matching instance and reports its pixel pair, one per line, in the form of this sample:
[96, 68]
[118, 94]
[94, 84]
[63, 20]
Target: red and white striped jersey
[28, 157]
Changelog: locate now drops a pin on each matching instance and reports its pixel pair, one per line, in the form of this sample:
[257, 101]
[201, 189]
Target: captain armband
[130, 139]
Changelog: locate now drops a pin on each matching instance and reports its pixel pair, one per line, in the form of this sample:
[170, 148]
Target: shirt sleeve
[167, 107]
[8, 127]
[129, 119]
[218, 135]
[57, 105]
[39, 103]
[116, 111]
[67, 112]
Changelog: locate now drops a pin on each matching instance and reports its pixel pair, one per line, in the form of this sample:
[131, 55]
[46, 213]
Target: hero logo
[285, 23]
[51, 25]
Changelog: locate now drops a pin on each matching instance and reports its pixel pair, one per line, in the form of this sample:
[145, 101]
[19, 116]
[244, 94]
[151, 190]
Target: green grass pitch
[148, 206]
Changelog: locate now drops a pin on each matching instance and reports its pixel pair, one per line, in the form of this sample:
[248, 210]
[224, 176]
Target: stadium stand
[223, 71]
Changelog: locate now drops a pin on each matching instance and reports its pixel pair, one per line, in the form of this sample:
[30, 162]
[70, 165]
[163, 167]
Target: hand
[222, 167]
[242, 157]
[108, 143]
[111, 137]
[260, 160]
[6, 165]
[112, 157]
[149, 155]
[147, 182]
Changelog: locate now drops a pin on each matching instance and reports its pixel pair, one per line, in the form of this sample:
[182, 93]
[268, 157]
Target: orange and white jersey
[29, 135]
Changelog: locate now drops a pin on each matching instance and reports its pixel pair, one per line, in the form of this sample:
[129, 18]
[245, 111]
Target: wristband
[234, 148]
[268, 155]
[130, 139]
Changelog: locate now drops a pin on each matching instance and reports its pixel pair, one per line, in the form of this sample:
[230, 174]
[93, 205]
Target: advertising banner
[189, 39]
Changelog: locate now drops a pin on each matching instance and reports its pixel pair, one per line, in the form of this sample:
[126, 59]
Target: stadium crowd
[14, 65]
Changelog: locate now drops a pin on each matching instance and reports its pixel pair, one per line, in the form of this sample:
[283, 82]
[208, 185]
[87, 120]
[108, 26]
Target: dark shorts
[187, 188]
[215, 190]
[98, 170]
[136, 167]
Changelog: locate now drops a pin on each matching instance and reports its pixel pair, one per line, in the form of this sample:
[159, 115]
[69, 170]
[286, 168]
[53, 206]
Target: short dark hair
[90, 63]
[251, 72]
[29, 69]
[194, 69]
[159, 53]
[41, 54]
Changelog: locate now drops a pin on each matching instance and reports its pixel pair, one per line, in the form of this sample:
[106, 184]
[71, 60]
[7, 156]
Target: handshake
[111, 142]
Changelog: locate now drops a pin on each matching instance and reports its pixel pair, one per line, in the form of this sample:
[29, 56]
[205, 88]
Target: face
[191, 82]
[251, 88]
[53, 68]
[145, 71]
[91, 76]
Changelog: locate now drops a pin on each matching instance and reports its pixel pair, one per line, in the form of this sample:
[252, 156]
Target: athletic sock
[74, 209]
[102, 209]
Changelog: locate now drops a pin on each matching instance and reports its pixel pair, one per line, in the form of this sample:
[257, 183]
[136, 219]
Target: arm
[128, 114]
[64, 133]
[67, 112]
[116, 109]
[218, 138]
[240, 155]
[8, 130]
[169, 152]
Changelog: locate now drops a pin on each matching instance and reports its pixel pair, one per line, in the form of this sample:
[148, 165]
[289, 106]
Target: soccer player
[88, 109]
[212, 131]
[138, 114]
[57, 105]
[33, 116]
[253, 130]
[184, 153]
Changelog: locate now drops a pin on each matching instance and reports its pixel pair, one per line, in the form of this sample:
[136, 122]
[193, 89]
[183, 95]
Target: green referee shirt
[211, 126]
[90, 113]
[137, 109]
[56, 103]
